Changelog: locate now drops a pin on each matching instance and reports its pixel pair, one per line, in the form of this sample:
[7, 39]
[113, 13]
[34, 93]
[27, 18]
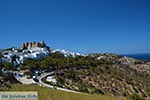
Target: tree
[8, 65]
[43, 64]
[13, 59]
[32, 66]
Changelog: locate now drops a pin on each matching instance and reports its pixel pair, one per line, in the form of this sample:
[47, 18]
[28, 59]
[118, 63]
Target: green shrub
[135, 97]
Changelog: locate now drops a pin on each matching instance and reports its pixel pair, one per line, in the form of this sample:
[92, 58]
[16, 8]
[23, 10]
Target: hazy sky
[116, 26]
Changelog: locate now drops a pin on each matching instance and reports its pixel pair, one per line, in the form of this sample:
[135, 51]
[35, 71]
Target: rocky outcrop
[33, 45]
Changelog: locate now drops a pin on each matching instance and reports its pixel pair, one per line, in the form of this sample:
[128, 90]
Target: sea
[142, 56]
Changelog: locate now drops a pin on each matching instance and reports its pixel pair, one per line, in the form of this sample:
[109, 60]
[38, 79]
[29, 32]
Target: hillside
[107, 74]
[52, 94]
[5, 80]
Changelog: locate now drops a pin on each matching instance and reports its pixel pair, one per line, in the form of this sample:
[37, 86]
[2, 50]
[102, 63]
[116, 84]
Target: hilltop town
[31, 50]
[27, 50]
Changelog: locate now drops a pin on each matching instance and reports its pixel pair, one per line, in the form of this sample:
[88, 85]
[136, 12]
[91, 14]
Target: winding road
[50, 86]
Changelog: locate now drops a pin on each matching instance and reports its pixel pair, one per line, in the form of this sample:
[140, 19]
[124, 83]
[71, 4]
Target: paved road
[50, 86]
[22, 79]
[40, 83]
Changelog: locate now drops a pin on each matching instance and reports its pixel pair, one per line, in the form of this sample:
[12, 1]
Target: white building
[51, 79]
[33, 53]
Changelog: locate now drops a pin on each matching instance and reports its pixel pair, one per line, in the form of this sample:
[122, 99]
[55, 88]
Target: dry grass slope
[53, 94]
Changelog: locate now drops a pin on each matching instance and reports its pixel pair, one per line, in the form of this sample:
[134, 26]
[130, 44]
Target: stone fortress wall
[33, 44]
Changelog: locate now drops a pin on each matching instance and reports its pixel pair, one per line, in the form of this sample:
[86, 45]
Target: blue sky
[86, 26]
